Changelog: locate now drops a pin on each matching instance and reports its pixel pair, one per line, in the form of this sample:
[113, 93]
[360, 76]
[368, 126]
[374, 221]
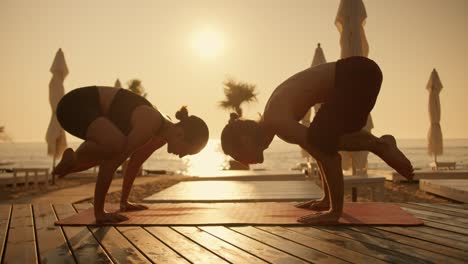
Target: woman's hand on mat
[127, 206]
[110, 218]
[315, 205]
[327, 217]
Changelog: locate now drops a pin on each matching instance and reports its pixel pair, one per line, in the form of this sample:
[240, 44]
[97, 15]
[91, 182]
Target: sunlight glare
[208, 43]
[209, 161]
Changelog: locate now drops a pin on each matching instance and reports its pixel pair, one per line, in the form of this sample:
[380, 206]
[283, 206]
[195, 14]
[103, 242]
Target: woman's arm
[134, 164]
[145, 120]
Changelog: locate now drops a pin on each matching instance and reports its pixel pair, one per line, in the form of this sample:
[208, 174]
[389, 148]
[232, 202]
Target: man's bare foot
[316, 205]
[66, 164]
[389, 152]
[328, 217]
[124, 207]
[110, 218]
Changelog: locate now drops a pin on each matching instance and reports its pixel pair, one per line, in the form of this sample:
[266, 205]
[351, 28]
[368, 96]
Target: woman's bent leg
[104, 140]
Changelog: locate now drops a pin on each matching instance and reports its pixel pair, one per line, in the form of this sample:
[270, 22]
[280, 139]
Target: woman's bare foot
[66, 164]
[389, 152]
[110, 218]
[124, 207]
[316, 205]
[328, 217]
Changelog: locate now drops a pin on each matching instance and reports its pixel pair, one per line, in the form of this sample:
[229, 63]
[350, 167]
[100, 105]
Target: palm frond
[135, 86]
[237, 93]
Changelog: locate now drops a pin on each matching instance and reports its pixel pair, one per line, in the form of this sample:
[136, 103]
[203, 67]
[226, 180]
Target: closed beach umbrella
[434, 136]
[350, 21]
[117, 84]
[3, 135]
[319, 58]
[55, 137]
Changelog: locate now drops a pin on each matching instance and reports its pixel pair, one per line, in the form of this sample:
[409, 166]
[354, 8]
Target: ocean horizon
[280, 156]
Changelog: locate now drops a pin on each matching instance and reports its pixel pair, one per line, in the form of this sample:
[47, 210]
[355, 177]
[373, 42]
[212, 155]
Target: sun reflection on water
[209, 161]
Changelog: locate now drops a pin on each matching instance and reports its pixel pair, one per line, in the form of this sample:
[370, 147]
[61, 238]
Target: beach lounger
[437, 165]
[27, 174]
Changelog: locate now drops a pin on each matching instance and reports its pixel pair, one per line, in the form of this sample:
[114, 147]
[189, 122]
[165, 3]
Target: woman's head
[242, 139]
[191, 134]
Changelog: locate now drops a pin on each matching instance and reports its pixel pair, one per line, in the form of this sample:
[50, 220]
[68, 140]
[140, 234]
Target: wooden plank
[435, 209]
[252, 246]
[337, 246]
[439, 232]
[117, 246]
[214, 244]
[455, 229]
[347, 244]
[267, 236]
[453, 189]
[437, 217]
[21, 242]
[150, 246]
[84, 246]
[190, 250]
[51, 243]
[414, 242]
[421, 254]
[458, 205]
[236, 191]
[5, 214]
[119, 249]
[445, 206]
[430, 237]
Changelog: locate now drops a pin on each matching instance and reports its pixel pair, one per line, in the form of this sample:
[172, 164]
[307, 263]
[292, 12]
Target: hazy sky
[260, 41]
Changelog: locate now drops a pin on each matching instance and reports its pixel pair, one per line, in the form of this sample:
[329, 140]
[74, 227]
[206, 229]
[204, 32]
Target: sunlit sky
[183, 50]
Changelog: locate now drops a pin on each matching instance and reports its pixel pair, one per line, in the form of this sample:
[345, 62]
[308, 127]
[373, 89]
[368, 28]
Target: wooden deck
[456, 190]
[427, 174]
[28, 235]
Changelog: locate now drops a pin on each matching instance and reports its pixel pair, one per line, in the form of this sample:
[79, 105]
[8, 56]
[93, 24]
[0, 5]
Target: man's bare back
[296, 95]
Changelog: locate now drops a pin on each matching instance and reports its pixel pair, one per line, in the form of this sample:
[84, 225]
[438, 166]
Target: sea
[280, 156]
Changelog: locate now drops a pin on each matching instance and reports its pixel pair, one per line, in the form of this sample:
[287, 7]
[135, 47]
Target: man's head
[242, 140]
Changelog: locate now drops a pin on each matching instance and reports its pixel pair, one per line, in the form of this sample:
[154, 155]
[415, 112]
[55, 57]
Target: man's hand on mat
[316, 205]
[320, 218]
[132, 207]
[110, 218]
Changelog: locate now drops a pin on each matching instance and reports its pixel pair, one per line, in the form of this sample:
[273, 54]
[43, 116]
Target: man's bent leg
[385, 147]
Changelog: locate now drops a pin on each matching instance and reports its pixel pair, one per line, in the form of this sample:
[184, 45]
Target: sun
[208, 43]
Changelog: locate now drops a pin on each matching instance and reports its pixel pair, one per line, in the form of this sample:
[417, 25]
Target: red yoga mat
[246, 214]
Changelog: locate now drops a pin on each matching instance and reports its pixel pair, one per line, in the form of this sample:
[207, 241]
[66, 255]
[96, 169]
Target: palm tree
[135, 86]
[237, 92]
